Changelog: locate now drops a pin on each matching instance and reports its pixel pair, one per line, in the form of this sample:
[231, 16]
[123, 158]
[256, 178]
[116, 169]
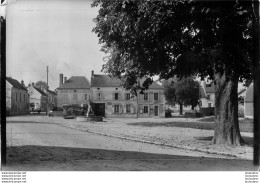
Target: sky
[53, 33]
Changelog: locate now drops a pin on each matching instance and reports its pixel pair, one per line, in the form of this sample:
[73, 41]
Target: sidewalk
[159, 134]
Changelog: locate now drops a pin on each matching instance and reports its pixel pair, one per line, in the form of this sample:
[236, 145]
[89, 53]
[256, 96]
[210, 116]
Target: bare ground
[197, 140]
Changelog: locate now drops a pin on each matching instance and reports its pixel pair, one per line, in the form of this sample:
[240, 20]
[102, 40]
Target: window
[156, 96]
[75, 96]
[209, 104]
[116, 108]
[145, 109]
[128, 96]
[128, 108]
[86, 96]
[208, 97]
[116, 96]
[99, 96]
[145, 96]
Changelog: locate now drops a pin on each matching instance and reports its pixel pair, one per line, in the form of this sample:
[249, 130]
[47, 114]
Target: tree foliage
[167, 38]
[41, 84]
[184, 91]
[180, 38]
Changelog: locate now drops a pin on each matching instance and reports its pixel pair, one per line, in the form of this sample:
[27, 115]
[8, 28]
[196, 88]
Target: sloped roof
[210, 88]
[40, 91]
[99, 80]
[76, 82]
[154, 85]
[15, 83]
[249, 94]
[52, 92]
[202, 93]
[242, 92]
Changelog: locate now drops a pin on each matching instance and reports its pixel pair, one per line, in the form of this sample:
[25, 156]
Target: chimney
[61, 79]
[92, 73]
[65, 79]
[22, 82]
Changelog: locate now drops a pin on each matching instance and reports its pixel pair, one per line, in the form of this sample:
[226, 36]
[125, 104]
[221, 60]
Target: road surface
[47, 146]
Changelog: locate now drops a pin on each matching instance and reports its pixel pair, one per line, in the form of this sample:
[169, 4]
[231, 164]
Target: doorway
[99, 109]
[156, 111]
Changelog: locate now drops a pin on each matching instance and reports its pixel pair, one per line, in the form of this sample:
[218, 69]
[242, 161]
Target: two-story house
[207, 95]
[17, 99]
[52, 98]
[249, 102]
[38, 98]
[111, 100]
[75, 90]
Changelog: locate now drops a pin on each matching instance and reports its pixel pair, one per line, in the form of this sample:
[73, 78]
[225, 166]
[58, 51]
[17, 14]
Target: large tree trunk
[181, 108]
[226, 112]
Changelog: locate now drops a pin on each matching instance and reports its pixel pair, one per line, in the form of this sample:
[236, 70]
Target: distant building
[38, 98]
[111, 100]
[17, 99]
[75, 90]
[52, 98]
[249, 102]
[207, 95]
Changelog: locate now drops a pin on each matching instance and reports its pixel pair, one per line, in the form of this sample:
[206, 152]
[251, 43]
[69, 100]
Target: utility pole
[47, 110]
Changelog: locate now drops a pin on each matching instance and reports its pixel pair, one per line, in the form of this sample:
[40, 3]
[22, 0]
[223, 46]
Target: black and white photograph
[122, 85]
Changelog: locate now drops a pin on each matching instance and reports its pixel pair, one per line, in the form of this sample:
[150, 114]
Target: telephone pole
[47, 109]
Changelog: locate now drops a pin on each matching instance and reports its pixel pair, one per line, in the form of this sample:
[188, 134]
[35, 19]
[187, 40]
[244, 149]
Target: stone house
[249, 102]
[111, 100]
[17, 99]
[75, 90]
[38, 98]
[52, 98]
[207, 95]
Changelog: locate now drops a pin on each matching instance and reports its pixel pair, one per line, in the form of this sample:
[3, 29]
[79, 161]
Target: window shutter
[124, 106]
[132, 109]
[113, 96]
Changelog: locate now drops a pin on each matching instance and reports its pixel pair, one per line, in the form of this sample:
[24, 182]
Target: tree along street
[47, 146]
[212, 39]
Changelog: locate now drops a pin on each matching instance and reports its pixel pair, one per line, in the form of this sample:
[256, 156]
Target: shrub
[192, 114]
[168, 113]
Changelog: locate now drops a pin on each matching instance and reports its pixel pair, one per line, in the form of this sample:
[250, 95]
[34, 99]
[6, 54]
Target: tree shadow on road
[50, 158]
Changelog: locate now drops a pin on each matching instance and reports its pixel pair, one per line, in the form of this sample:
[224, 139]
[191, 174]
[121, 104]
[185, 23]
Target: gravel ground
[184, 138]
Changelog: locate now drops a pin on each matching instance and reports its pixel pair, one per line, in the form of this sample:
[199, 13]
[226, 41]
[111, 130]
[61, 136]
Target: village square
[129, 86]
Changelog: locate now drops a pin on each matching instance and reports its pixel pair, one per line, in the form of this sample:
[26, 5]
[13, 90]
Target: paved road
[47, 146]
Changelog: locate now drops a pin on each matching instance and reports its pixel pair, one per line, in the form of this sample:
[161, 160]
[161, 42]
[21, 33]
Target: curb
[155, 143]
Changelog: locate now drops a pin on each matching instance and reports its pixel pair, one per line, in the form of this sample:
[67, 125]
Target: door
[156, 110]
